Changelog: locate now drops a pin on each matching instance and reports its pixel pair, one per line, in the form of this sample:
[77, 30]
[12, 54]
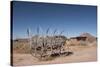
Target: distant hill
[90, 37]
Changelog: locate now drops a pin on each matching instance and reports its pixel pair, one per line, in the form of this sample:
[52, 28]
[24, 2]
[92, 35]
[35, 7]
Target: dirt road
[80, 54]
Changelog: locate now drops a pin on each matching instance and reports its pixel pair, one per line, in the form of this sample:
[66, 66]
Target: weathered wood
[44, 46]
[48, 44]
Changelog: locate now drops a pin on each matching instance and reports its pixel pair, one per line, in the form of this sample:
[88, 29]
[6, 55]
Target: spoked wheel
[46, 53]
[62, 51]
[41, 53]
[36, 52]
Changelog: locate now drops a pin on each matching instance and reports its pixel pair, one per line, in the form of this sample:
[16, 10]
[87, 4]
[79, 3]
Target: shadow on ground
[61, 54]
[56, 55]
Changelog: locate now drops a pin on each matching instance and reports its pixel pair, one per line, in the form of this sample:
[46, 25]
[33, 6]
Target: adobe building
[74, 41]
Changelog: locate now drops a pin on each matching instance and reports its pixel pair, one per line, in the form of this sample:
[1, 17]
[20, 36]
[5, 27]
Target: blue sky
[72, 19]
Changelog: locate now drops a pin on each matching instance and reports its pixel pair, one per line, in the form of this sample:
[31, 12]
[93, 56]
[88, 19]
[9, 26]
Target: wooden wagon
[45, 47]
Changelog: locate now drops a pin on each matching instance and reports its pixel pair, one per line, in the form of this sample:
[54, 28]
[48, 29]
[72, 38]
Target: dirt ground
[80, 54]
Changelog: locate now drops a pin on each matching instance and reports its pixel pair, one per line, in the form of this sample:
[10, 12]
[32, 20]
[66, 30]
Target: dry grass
[21, 47]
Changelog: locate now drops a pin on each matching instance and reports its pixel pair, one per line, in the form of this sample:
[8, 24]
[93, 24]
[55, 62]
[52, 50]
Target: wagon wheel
[46, 53]
[36, 53]
[49, 51]
[62, 51]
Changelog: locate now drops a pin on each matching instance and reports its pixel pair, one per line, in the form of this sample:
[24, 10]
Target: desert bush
[21, 47]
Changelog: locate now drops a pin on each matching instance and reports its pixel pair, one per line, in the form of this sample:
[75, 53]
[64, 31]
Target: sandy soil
[80, 54]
